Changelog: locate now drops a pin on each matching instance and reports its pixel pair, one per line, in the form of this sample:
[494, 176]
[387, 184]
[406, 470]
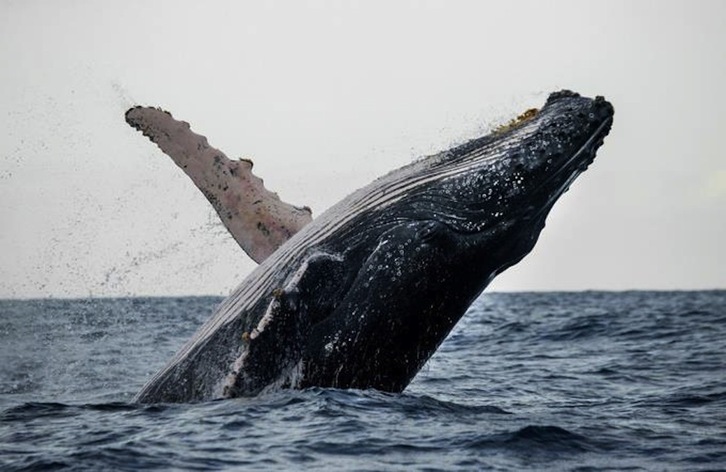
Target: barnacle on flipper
[519, 120]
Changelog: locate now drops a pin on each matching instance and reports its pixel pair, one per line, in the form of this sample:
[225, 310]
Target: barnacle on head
[523, 118]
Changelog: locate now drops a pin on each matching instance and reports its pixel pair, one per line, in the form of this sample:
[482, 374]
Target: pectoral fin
[257, 219]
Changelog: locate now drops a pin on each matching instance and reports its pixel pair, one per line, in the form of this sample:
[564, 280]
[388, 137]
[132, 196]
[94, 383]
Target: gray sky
[325, 96]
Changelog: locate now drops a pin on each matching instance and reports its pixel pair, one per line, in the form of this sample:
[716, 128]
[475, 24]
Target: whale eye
[291, 300]
[429, 232]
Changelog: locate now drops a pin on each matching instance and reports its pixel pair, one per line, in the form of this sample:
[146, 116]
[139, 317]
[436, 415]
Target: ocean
[526, 381]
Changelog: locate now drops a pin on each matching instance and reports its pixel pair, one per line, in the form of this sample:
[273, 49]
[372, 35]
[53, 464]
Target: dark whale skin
[363, 296]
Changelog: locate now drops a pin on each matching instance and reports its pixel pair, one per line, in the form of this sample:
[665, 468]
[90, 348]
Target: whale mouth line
[589, 147]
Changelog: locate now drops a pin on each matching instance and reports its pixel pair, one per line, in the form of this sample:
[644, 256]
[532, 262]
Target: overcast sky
[324, 97]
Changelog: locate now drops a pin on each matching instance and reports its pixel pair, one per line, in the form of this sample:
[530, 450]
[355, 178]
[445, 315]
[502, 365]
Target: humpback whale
[362, 295]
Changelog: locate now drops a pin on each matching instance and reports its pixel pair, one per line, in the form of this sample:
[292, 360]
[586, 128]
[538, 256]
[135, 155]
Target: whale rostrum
[363, 295]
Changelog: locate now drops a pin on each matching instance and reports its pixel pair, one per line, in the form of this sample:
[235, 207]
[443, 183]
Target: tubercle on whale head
[496, 192]
[571, 130]
[517, 173]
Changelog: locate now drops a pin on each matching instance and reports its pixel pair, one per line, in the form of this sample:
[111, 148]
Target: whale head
[495, 192]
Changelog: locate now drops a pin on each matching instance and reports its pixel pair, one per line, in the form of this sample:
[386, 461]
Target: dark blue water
[552, 381]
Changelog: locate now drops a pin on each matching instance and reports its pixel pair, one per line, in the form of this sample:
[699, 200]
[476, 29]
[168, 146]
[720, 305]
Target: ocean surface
[526, 381]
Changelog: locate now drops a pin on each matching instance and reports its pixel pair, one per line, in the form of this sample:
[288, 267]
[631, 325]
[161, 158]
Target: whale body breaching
[363, 295]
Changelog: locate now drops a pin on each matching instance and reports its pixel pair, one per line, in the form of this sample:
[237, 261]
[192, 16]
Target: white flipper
[257, 219]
